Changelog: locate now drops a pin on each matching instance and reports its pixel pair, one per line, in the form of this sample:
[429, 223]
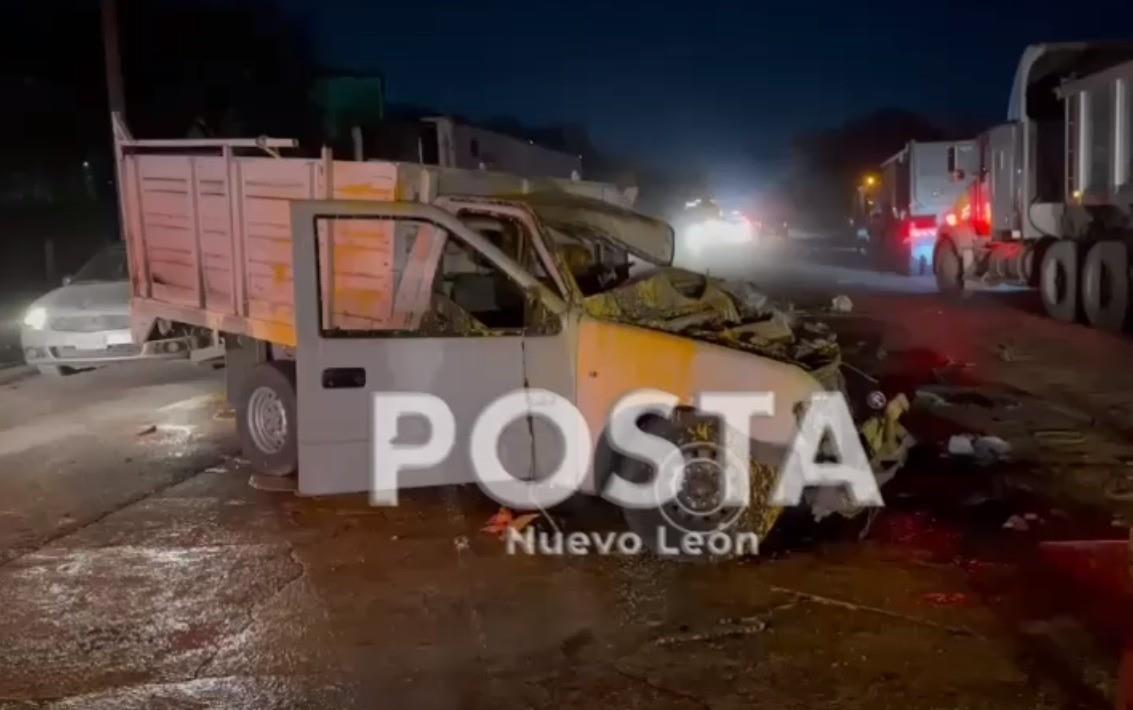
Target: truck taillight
[918, 228]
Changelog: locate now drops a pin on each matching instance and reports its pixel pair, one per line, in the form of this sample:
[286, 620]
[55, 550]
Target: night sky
[723, 86]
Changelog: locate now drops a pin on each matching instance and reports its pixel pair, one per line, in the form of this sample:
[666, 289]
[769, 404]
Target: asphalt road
[73, 449]
[139, 568]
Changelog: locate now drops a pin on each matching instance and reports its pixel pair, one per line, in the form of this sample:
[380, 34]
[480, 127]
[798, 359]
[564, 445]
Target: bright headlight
[36, 318]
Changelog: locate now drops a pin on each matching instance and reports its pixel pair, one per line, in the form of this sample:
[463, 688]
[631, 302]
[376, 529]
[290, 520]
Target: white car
[86, 322]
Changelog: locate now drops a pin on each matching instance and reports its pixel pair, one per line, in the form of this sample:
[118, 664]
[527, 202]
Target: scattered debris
[984, 449]
[842, 304]
[504, 519]
[274, 484]
[947, 598]
[460, 542]
[1017, 523]
[991, 447]
[852, 606]
[727, 628]
[961, 445]
[147, 429]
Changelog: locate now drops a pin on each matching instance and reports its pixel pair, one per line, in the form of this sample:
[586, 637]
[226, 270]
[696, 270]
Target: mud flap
[1105, 285]
[1058, 281]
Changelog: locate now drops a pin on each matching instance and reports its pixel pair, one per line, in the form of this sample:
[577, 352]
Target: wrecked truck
[326, 281]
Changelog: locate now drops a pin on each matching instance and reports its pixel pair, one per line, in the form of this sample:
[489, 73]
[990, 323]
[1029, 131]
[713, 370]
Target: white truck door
[455, 330]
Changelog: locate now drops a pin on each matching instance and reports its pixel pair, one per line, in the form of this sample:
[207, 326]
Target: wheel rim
[267, 420]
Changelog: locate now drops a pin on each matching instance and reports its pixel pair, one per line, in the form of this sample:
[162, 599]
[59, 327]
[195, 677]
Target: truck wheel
[948, 267]
[696, 510]
[1058, 281]
[1105, 285]
[266, 418]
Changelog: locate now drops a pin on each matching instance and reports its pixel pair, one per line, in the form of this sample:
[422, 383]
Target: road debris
[853, 606]
[1017, 523]
[842, 304]
[984, 449]
[504, 519]
[752, 627]
[147, 430]
[947, 599]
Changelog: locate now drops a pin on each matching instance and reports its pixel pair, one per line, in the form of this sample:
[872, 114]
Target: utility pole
[115, 96]
[115, 93]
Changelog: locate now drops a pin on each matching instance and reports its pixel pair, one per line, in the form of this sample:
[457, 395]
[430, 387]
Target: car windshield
[108, 264]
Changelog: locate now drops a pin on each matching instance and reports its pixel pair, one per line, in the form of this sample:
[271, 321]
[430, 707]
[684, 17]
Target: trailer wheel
[696, 510]
[1058, 281]
[266, 418]
[948, 267]
[1105, 285]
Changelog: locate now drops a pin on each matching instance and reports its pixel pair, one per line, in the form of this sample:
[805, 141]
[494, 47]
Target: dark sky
[719, 85]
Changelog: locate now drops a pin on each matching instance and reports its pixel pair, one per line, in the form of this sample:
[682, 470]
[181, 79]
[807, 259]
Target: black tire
[268, 393]
[948, 268]
[1058, 281]
[1105, 286]
[694, 433]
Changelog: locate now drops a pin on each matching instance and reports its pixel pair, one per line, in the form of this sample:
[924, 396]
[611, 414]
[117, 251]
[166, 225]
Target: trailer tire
[670, 523]
[948, 268]
[1105, 285]
[1058, 281]
[266, 418]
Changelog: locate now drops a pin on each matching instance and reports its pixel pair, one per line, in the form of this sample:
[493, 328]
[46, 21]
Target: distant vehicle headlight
[36, 318]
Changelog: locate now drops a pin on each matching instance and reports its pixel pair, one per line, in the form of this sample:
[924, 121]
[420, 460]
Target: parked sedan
[86, 322]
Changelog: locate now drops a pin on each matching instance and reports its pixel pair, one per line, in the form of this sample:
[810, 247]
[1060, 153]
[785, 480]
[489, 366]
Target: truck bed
[209, 236]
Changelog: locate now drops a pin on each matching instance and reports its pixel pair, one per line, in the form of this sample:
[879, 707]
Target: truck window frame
[549, 325]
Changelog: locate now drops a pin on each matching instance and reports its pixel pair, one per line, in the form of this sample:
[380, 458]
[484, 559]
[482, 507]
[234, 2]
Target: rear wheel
[1105, 285]
[266, 418]
[949, 268]
[1058, 281]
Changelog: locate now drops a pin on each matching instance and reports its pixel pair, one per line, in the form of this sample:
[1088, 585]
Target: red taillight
[918, 227]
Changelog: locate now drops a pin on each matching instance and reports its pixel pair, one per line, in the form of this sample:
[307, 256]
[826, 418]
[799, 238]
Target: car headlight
[36, 318]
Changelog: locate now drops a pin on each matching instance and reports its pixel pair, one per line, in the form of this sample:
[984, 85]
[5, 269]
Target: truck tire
[266, 418]
[1105, 285]
[948, 268]
[696, 437]
[1058, 281]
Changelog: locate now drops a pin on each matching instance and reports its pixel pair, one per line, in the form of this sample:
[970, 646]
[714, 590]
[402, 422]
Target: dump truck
[324, 282]
[1051, 203]
[917, 186]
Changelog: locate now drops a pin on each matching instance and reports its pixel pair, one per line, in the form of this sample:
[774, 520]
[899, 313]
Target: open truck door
[461, 308]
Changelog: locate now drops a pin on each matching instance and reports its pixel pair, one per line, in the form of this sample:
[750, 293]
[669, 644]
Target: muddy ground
[139, 569]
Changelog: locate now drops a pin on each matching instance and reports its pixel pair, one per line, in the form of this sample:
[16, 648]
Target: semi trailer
[1051, 203]
[907, 204]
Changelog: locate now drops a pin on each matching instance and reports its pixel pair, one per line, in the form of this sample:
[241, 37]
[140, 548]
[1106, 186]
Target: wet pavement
[139, 569]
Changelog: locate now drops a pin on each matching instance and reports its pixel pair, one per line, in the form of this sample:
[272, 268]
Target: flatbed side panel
[268, 185]
[167, 221]
[214, 224]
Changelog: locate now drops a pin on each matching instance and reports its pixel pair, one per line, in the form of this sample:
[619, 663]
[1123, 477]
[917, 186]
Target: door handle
[344, 378]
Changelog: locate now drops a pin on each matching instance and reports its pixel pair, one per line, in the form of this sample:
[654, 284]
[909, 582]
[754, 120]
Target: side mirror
[67, 280]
